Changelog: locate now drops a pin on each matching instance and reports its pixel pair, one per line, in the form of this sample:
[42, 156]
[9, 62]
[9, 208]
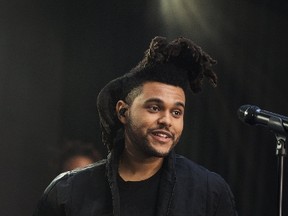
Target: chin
[158, 152]
[156, 149]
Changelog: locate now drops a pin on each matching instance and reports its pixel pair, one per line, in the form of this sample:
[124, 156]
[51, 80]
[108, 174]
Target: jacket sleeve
[54, 198]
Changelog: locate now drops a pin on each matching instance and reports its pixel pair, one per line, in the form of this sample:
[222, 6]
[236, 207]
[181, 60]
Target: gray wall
[31, 70]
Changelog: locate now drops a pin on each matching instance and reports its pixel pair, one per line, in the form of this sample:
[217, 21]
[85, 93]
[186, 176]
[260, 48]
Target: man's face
[154, 121]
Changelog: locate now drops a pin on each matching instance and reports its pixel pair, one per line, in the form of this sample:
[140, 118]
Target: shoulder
[69, 188]
[81, 176]
[187, 169]
[194, 177]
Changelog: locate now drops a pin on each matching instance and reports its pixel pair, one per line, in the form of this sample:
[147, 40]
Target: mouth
[161, 135]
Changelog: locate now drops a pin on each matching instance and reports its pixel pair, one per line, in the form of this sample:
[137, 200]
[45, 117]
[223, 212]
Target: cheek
[179, 127]
[143, 119]
[139, 122]
[144, 123]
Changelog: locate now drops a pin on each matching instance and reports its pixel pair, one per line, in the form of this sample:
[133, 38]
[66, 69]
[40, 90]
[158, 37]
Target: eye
[153, 108]
[177, 113]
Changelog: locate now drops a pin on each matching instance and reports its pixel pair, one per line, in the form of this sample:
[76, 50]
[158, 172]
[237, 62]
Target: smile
[162, 134]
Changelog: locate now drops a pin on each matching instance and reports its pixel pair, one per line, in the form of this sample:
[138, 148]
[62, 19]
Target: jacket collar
[166, 187]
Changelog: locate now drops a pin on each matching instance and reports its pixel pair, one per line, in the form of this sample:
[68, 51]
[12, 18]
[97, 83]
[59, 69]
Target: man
[142, 115]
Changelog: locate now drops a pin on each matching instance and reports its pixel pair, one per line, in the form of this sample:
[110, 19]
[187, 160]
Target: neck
[134, 167]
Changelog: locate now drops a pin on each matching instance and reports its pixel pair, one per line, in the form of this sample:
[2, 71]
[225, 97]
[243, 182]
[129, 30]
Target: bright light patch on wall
[187, 16]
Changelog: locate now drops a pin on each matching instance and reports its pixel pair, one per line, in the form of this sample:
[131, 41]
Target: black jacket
[185, 189]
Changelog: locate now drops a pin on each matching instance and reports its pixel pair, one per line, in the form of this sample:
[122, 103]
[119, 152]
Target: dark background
[56, 55]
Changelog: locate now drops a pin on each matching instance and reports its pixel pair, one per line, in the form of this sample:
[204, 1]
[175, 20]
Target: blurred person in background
[77, 154]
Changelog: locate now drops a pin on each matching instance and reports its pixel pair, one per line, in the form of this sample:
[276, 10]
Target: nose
[165, 119]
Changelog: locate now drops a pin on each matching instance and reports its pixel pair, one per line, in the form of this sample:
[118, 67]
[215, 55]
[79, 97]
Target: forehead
[162, 91]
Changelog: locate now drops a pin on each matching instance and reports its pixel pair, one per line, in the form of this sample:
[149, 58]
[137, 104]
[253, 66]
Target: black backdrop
[56, 55]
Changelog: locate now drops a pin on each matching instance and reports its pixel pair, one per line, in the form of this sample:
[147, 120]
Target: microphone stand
[276, 125]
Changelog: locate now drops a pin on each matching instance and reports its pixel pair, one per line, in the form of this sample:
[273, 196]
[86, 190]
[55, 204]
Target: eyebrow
[157, 100]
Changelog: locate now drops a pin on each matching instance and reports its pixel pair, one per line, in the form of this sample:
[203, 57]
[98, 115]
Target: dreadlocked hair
[179, 63]
[182, 53]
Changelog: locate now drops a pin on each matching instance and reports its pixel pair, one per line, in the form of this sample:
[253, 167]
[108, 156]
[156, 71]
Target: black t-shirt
[139, 197]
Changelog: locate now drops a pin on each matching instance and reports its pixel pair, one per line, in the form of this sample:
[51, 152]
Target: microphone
[253, 115]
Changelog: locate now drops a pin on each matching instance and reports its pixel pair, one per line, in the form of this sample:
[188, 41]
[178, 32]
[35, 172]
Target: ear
[121, 110]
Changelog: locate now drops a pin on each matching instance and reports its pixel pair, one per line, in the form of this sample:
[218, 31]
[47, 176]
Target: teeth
[161, 135]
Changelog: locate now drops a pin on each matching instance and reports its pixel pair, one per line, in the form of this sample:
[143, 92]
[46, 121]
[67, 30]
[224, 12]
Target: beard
[141, 141]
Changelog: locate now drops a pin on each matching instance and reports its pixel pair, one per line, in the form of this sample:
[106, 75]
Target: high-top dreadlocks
[184, 54]
[180, 63]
